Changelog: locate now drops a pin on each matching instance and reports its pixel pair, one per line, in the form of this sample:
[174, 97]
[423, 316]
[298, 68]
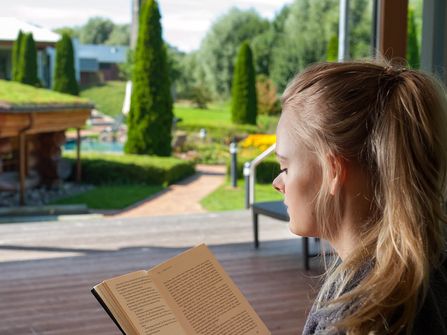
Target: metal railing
[250, 175]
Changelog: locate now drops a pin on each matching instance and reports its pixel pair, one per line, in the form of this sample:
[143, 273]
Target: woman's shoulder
[432, 317]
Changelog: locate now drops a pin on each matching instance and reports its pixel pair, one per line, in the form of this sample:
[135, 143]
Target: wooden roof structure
[26, 110]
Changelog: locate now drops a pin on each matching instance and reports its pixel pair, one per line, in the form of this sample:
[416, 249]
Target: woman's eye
[283, 170]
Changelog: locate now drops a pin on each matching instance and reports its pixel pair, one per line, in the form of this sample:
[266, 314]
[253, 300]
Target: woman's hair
[392, 122]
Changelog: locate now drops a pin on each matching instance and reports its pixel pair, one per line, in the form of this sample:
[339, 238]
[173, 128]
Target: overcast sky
[185, 22]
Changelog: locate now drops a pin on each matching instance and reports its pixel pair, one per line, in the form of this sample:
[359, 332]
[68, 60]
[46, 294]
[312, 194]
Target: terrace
[48, 268]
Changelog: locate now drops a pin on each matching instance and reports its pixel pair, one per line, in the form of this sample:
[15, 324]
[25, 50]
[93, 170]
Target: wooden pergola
[32, 136]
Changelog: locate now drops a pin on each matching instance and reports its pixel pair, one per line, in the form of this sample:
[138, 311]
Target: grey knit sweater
[431, 319]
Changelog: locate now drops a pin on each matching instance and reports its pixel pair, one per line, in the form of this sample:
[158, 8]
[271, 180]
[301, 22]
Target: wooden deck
[48, 268]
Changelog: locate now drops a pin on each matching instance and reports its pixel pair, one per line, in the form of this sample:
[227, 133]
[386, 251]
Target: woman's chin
[299, 230]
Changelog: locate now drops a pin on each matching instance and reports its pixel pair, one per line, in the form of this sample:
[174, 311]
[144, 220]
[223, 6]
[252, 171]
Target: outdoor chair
[273, 209]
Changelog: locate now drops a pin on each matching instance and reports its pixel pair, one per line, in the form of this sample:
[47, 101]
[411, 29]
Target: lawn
[111, 197]
[227, 198]
[108, 98]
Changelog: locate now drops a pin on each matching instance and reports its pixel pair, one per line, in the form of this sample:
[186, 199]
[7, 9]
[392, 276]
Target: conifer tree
[27, 73]
[16, 56]
[243, 97]
[150, 117]
[64, 75]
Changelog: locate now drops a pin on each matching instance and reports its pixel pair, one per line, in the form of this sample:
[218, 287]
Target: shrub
[64, 74]
[243, 97]
[127, 169]
[150, 117]
[258, 141]
[267, 97]
[266, 171]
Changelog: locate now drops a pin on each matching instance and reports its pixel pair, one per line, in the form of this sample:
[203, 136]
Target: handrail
[250, 172]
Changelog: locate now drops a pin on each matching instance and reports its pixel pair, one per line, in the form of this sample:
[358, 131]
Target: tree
[267, 97]
[413, 47]
[27, 73]
[120, 35]
[16, 56]
[64, 75]
[243, 100]
[150, 117]
[220, 46]
[97, 30]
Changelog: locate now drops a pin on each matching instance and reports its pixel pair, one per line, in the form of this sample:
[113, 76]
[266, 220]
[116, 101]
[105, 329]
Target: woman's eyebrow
[280, 156]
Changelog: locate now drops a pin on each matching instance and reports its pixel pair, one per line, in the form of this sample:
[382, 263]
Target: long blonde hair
[393, 122]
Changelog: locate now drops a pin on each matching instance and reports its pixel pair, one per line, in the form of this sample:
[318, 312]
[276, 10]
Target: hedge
[100, 169]
[266, 171]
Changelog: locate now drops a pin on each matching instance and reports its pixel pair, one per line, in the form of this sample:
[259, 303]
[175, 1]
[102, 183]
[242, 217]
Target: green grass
[227, 198]
[16, 94]
[108, 98]
[111, 197]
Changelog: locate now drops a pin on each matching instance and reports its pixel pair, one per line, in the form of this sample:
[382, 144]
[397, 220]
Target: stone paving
[183, 197]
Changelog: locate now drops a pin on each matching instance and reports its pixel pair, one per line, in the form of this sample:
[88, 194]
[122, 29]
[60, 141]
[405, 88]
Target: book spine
[102, 303]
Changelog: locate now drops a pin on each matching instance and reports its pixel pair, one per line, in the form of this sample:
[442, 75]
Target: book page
[141, 301]
[204, 298]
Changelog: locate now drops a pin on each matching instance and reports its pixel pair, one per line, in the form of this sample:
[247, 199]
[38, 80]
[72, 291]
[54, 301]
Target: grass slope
[108, 98]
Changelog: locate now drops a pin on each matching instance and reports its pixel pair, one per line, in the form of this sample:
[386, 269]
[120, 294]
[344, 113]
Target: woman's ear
[338, 171]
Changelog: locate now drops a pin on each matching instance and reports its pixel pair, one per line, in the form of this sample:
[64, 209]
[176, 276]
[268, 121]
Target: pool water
[95, 145]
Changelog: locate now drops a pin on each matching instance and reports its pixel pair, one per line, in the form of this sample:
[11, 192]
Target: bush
[266, 171]
[27, 72]
[100, 169]
[268, 102]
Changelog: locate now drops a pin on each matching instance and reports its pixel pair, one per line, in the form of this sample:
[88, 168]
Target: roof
[102, 53]
[11, 26]
[16, 97]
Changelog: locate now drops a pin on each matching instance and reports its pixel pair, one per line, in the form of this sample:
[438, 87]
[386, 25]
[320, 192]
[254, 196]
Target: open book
[188, 294]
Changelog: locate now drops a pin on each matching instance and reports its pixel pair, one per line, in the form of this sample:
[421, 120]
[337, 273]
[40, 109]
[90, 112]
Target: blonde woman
[363, 154]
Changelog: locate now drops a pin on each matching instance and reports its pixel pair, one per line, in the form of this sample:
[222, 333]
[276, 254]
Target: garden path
[183, 197]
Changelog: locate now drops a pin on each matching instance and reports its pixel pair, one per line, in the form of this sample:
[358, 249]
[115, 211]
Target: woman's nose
[277, 184]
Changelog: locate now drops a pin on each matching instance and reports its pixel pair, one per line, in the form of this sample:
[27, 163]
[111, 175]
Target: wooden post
[22, 166]
[393, 29]
[78, 155]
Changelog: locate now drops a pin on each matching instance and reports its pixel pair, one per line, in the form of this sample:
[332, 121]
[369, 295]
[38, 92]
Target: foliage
[332, 49]
[97, 30]
[266, 171]
[413, 57]
[120, 35]
[27, 72]
[111, 196]
[307, 29]
[16, 56]
[360, 14]
[100, 168]
[17, 94]
[243, 99]
[200, 96]
[221, 43]
[64, 74]
[150, 117]
[108, 97]
[126, 68]
[73, 32]
[267, 97]
[227, 198]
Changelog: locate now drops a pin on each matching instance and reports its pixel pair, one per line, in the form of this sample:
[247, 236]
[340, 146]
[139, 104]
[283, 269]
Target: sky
[185, 22]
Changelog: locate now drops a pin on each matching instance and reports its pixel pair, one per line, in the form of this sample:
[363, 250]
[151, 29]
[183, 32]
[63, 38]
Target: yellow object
[259, 141]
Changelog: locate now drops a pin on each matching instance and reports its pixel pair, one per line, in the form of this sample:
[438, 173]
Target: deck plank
[48, 268]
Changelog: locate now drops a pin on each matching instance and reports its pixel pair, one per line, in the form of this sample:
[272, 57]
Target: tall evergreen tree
[150, 117]
[64, 75]
[27, 72]
[243, 99]
[412, 42]
[16, 56]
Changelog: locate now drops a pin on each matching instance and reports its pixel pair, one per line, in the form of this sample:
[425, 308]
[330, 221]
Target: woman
[363, 154]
